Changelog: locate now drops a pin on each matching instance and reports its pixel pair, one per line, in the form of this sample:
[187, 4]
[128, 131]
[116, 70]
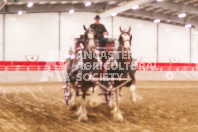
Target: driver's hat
[97, 17]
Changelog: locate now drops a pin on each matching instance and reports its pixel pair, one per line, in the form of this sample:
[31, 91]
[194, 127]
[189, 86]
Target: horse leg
[83, 111]
[66, 78]
[95, 99]
[112, 102]
[116, 112]
[73, 102]
[134, 96]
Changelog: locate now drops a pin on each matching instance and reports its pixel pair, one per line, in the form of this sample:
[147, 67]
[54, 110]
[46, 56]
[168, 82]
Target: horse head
[125, 39]
[90, 38]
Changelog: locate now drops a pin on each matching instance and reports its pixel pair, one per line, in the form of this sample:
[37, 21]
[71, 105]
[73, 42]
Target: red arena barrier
[51, 66]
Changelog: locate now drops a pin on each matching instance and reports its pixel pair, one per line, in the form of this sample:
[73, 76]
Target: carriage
[110, 46]
[98, 57]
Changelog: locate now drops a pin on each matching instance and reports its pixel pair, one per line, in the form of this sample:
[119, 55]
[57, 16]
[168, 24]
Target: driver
[100, 31]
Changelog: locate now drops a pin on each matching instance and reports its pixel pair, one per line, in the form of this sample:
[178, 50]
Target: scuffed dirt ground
[166, 107]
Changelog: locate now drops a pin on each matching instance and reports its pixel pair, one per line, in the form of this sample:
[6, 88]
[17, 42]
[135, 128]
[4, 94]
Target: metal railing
[63, 68]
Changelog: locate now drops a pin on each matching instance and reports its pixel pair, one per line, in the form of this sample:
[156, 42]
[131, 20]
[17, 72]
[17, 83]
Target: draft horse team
[93, 71]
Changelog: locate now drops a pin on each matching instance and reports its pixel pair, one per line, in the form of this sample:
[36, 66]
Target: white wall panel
[174, 42]
[144, 43]
[194, 48]
[38, 34]
[1, 37]
[31, 34]
[72, 27]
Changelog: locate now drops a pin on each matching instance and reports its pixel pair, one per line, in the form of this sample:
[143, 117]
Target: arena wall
[174, 42]
[52, 76]
[31, 34]
[15, 71]
[1, 37]
[194, 47]
[46, 34]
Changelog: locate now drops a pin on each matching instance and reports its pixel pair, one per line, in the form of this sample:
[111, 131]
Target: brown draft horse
[125, 68]
[79, 78]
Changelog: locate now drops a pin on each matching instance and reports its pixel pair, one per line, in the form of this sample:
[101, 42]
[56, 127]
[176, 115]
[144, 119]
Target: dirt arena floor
[166, 107]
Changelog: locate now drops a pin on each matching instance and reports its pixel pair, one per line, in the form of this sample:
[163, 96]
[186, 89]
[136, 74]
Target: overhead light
[20, 13]
[53, 2]
[71, 11]
[30, 4]
[20, 3]
[64, 2]
[112, 2]
[182, 15]
[157, 21]
[114, 14]
[42, 2]
[188, 26]
[135, 7]
[88, 3]
[159, 0]
[74, 2]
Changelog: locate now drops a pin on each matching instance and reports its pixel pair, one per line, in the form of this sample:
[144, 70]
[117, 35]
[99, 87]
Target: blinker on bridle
[89, 39]
[123, 41]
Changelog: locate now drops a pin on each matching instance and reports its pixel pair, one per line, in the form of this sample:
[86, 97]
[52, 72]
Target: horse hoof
[72, 106]
[135, 98]
[82, 118]
[79, 111]
[139, 98]
[112, 105]
[118, 117]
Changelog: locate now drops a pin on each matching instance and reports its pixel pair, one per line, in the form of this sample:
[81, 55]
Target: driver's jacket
[99, 29]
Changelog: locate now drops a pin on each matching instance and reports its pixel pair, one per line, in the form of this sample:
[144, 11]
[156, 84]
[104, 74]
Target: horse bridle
[89, 39]
[122, 42]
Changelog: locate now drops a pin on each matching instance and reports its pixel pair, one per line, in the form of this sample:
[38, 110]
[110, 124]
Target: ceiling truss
[167, 11]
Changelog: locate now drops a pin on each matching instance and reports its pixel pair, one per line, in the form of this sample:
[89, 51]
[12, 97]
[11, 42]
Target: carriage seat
[110, 40]
[107, 45]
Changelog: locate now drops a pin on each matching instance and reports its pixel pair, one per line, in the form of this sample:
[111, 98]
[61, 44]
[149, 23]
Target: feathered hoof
[135, 98]
[79, 111]
[82, 117]
[118, 117]
[112, 105]
[72, 106]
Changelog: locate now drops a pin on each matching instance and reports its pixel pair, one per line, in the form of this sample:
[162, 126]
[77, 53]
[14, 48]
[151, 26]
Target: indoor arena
[98, 65]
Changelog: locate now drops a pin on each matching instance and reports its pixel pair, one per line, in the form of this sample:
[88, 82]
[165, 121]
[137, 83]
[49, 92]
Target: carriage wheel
[67, 94]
